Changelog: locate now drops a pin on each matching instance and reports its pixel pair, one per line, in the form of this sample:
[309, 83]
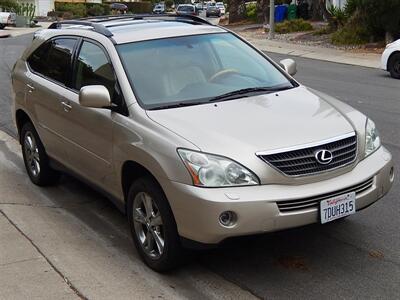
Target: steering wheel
[223, 72]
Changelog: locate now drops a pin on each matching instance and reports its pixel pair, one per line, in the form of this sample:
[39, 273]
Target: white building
[42, 6]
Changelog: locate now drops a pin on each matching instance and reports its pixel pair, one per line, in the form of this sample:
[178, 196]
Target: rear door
[47, 83]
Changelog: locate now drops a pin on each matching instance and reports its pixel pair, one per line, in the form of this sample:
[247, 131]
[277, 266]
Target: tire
[207, 15]
[35, 157]
[172, 254]
[2, 26]
[394, 65]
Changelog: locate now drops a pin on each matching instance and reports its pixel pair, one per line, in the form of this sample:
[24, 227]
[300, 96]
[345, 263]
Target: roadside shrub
[67, 15]
[251, 12]
[8, 5]
[377, 17]
[78, 10]
[353, 33]
[295, 25]
[95, 10]
[338, 17]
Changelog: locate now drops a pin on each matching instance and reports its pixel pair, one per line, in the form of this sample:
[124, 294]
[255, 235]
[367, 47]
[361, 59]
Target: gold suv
[192, 132]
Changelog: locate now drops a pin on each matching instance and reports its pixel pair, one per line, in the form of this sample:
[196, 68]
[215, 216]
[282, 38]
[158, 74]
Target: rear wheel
[35, 157]
[394, 65]
[153, 226]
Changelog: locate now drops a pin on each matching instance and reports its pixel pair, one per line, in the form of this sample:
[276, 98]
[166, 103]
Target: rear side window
[94, 68]
[53, 59]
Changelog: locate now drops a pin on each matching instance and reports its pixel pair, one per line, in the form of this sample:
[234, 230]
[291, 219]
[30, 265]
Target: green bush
[353, 33]
[95, 10]
[77, 10]
[377, 17]
[9, 5]
[338, 17]
[295, 25]
[251, 12]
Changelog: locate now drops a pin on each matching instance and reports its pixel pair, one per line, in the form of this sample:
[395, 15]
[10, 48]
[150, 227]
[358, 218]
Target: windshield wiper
[175, 105]
[243, 92]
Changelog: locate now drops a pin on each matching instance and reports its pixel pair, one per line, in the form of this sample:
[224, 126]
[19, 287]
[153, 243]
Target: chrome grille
[299, 204]
[302, 161]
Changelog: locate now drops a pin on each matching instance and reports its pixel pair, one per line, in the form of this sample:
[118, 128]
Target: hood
[264, 122]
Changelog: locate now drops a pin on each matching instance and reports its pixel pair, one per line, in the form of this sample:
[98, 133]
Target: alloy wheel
[32, 154]
[148, 225]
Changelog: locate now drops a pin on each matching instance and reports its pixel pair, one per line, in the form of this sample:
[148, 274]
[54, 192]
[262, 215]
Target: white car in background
[390, 60]
[7, 19]
[221, 7]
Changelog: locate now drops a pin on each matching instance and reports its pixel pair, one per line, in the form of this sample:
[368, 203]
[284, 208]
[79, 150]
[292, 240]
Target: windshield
[195, 69]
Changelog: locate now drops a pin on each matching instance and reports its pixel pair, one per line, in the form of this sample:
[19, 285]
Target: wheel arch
[132, 170]
[21, 117]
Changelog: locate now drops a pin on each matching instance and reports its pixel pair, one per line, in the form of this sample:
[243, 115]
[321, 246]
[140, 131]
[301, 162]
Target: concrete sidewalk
[370, 60]
[69, 242]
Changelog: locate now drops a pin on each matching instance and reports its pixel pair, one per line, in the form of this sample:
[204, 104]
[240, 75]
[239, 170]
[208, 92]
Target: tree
[318, 10]
[237, 10]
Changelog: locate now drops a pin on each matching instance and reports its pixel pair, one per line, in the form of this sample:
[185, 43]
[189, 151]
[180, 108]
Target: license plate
[338, 207]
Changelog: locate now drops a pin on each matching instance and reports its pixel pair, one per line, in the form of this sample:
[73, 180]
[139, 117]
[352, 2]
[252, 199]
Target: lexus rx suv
[191, 131]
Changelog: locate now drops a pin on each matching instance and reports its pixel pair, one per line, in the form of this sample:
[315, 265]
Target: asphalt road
[358, 257]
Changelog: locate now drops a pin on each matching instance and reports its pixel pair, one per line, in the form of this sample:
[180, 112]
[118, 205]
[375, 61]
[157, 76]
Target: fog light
[391, 174]
[227, 218]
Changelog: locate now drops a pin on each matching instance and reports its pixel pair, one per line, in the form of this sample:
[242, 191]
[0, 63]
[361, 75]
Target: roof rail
[99, 19]
[96, 27]
[95, 22]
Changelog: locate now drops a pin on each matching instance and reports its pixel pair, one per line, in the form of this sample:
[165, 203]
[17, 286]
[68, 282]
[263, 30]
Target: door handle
[66, 106]
[30, 87]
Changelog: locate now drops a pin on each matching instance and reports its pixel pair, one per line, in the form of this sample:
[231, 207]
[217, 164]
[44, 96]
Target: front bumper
[197, 210]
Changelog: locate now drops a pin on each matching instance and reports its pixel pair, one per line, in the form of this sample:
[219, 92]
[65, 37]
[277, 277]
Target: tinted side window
[38, 60]
[59, 59]
[94, 68]
[53, 59]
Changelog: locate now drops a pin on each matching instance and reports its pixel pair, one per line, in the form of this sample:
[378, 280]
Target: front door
[88, 132]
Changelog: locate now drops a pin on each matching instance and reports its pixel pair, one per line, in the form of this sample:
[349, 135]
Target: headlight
[210, 170]
[372, 140]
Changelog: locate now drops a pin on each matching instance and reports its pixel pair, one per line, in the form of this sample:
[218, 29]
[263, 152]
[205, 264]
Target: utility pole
[271, 19]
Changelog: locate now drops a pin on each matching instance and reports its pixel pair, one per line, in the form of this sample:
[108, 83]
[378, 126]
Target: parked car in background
[186, 9]
[119, 7]
[221, 7]
[159, 8]
[199, 6]
[7, 19]
[212, 10]
[390, 60]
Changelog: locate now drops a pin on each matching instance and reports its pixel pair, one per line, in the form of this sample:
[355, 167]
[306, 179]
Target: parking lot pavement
[87, 239]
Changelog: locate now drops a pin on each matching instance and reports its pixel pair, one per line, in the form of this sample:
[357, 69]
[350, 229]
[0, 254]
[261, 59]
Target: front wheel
[394, 66]
[153, 226]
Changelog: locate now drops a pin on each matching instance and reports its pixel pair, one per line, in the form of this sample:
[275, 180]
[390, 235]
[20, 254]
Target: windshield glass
[195, 68]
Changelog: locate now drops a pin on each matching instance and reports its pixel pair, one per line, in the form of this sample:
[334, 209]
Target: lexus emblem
[323, 157]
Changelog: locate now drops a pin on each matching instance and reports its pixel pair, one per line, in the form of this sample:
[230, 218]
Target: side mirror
[289, 65]
[95, 96]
